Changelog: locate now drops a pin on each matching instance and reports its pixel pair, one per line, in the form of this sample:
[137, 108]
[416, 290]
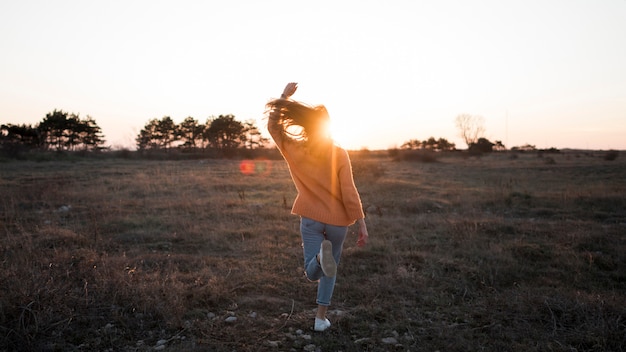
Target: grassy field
[508, 252]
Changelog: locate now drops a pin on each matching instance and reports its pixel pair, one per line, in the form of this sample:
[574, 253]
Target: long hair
[300, 121]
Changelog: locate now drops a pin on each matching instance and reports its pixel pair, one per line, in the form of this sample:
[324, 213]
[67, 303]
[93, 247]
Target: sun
[341, 134]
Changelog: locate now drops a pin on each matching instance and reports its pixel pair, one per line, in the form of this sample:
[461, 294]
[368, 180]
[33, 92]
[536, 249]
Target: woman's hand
[290, 88]
[363, 235]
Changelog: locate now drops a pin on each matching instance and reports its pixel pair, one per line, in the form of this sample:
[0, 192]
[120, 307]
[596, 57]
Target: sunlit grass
[490, 253]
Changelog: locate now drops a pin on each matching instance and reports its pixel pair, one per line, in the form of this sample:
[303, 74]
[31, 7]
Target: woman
[327, 201]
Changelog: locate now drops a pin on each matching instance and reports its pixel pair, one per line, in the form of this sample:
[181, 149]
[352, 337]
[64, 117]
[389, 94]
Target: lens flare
[260, 167]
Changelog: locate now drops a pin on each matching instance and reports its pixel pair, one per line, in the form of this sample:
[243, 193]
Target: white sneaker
[327, 261]
[321, 324]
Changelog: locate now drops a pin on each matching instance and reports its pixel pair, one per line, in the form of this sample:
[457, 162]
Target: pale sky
[550, 73]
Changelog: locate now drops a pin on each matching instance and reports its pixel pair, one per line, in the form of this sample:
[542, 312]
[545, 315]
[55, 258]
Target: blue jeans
[313, 233]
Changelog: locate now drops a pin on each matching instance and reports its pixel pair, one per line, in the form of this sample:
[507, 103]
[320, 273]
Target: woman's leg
[336, 235]
[313, 233]
[312, 236]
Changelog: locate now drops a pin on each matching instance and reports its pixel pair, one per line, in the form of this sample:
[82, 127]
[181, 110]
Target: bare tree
[471, 127]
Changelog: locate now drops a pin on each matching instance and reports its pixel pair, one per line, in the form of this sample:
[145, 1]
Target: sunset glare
[546, 73]
[343, 135]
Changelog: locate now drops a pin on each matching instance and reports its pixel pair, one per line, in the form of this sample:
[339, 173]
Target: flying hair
[300, 121]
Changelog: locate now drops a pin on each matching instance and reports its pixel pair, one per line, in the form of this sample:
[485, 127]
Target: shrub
[611, 155]
[423, 156]
[367, 170]
[549, 161]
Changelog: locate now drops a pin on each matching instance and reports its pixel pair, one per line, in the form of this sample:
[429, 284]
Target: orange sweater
[326, 190]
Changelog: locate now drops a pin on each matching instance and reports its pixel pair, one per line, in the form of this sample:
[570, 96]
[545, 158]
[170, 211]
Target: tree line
[63, 131]
[221, 133]
[59, 130]
[471, 129]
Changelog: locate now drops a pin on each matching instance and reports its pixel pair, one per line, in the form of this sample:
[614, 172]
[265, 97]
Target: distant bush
[542, 152]
[482, 146]
[367, 170]
[551, 150]
[549, 161]
[422, 156]
[611, 155]
[524, 148]
[123, 153]
[393, 153]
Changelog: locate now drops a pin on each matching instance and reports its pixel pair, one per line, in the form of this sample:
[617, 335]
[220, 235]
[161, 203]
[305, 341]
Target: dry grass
[479, 254]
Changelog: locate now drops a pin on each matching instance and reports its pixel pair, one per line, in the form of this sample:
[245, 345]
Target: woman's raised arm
[289, 90]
